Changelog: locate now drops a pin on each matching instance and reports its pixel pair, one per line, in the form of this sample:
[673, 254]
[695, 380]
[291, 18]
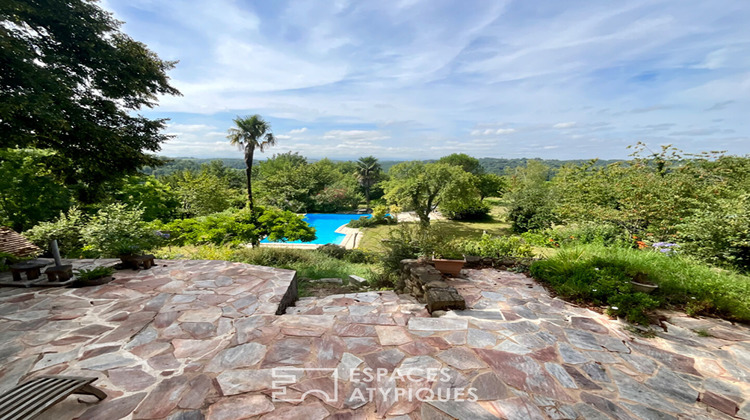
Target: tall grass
[683, 282]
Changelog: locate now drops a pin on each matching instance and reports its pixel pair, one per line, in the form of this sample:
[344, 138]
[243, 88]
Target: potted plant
[93, 277]
[450, 262]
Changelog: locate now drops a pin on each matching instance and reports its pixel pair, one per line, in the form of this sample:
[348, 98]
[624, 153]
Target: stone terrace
[199, 339]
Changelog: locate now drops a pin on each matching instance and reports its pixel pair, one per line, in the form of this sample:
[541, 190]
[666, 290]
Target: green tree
[531, 203]
[491, 185]
[156, 198]
[202, 193]
[251, 133]
[422, 187]
[29, 192]
[368, 173]
[73, 82]
[466, 162]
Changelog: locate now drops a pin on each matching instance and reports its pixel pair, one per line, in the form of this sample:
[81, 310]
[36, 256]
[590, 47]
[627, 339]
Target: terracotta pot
[452, 267]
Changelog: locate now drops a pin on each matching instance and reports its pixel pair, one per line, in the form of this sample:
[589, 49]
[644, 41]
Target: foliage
[309, 264]
[378, 217]
[71, 82]
[468, 209]
[116, 230]
[719, 235]
[368, 173]
[350, 255]
[605, 234]
[94, 273]
[239, 227]
[202, 193]
[66, 229]
[530, 198]
[491, 185]
[409, 240]
[497, 247]
[29, 192]
[157, 199]
[682, 281]
[251, 132]
[463, 161]
[423, 187]
[289, 182]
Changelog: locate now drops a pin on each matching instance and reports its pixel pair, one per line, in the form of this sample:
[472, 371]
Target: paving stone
[518, 409]
[107, 361]
[607, 406]
[131, 379]
[117, 408]
[669, 384]
[314, 411]
[437, 324]
[386, 359]
[675, 361]
[583, 340]
[522, 372]
[197, 390]
[187, 415]
[51, 359]
[562, 376]
[480, 314]
[588, 324]
[418, 366]
[461, 358]
[480, 339]
[524, 312]
[239, 407]
[512, 347]
[590, 413]
[522, 327]
[462, 410]
[570, 355]
[392, 336]
[640, 363]
[636, 392]
[199, 330]
[582, 381]
[646, 413]
[348, 364]
[242, 356]
[489, 387]
[233, 382]
[162, 399]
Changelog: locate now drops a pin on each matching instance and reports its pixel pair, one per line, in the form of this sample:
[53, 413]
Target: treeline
[497, 166]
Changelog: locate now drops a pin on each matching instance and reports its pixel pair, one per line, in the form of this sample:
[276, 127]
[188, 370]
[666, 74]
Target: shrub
[66, 229]
[94, 273]
[497, 247]
[413, 241]
[308, 263]
[333, 251]
[275, 257]
[465, 210]
[356, 256]
[240, 226]
[720, 235]
[379, 217]
[116, 230]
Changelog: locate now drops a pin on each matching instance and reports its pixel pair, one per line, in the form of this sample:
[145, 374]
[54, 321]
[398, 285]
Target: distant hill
[493, 165]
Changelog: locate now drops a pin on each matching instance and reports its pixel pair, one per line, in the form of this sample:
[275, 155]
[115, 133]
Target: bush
[94, 273]
[720, 235]
[465, 210]
[116, 230]
[238, 227]
[66, 229]
[497, 247]
[595, 273]
[308, 263]
[605, 234]
[379, 217]
[356, 256]
[413, 241]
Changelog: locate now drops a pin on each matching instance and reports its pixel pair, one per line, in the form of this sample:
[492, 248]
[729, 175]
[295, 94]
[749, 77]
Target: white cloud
[564, 125]
[298, 130]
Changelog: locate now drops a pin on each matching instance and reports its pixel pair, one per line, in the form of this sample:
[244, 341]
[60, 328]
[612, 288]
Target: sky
[409, 79]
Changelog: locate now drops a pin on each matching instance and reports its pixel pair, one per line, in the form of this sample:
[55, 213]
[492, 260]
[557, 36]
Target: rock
[562, 376]
[357, 280]
[387, 359]
[244, 355]
[480, 338]
[719, 402]
[288, 351]
[437, 314]
[489, 387]
[443, 299]
[462, 410]
[197, 390]
[669, 384]
[187, 415]
[437, 324]
[314, 411]
[392, 336]
[240, 407]
[117, 408]
[131, 379]
[162, 399]
[518, 408]
[233, 382]
[461, 358]
[583, 323]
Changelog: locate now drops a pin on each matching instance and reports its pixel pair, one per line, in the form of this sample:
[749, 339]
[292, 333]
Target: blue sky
[415, 79]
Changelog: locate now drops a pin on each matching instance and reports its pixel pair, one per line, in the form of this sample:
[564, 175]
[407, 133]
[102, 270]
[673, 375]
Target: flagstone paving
[200, 339]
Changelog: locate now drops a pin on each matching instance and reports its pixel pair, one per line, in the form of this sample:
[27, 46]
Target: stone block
[444, 299]
[357, 279]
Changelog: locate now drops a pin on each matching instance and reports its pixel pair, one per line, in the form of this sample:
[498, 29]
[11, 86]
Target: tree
[202, 193]
[368, 173]
[422, 187]
[491, 185]
[464, 161]
[71, 82]
[251, 133]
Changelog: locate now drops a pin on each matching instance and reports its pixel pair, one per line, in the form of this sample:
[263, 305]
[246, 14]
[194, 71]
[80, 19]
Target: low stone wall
[424, 282]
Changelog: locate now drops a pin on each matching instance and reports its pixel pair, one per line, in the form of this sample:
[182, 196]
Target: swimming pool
[325, 225]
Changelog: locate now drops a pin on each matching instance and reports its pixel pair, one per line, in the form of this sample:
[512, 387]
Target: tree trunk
[367, 197]
[249, 150]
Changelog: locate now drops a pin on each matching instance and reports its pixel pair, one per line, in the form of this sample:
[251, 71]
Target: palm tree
[251, 133]
[368, 172]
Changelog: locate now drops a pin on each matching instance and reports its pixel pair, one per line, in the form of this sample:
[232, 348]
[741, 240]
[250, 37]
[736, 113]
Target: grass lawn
[495, 224]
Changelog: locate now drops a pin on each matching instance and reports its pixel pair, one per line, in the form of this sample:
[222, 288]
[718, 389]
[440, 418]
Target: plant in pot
[93, 277]
[450, 260]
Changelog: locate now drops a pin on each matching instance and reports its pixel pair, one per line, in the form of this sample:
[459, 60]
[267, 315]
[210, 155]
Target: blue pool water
[325, 227]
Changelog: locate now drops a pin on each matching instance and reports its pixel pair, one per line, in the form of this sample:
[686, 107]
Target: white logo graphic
[284, 376]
